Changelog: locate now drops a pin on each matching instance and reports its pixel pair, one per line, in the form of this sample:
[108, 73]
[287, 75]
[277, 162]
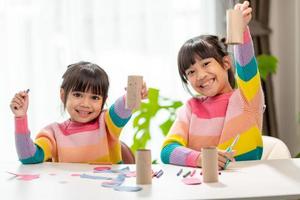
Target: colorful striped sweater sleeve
[250, 145]
[248, 78]
[28, 152]
[175, 150]
[117, 117]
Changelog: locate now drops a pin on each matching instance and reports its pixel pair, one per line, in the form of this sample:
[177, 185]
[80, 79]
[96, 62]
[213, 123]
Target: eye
[190, 72]
[96, 97]
[206, 63]
[77, 94]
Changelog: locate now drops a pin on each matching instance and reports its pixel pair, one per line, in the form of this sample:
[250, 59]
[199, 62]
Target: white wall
[285, 45]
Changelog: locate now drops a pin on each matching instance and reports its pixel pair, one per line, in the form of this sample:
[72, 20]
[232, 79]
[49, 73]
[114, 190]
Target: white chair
[274, 148]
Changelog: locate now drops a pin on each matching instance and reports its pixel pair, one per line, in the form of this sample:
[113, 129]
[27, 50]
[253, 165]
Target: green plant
[148, 110]
[267, 64]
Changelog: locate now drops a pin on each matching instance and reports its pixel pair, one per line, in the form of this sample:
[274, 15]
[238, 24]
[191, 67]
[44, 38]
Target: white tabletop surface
[272, 179]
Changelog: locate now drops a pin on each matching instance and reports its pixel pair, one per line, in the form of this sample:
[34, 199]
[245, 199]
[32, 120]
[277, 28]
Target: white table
[272, 179]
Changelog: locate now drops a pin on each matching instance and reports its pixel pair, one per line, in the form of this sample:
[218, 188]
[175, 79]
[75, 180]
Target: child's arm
[117, 115]
[28, 152]
[248, 78]
[175, 150]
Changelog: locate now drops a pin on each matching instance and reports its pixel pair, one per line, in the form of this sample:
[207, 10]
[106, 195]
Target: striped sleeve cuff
[118, 113]
[166, 152]
[21, 125]
[179, 155]
[244, 53]
[247, 35]
[192, 159]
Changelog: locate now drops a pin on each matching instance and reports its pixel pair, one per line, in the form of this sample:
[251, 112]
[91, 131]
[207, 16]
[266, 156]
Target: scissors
[229, 149]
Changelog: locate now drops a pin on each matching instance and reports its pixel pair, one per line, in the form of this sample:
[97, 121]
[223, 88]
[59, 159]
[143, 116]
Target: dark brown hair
[84, 76]
[204, 46]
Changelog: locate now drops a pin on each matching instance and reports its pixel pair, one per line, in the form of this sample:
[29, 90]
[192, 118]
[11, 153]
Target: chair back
[127, 155]
[274, 148]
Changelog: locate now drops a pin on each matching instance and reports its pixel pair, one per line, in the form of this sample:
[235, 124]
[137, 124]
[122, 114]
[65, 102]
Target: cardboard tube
[143, 167]
[235, 27]
[210, 164]
[133, 95]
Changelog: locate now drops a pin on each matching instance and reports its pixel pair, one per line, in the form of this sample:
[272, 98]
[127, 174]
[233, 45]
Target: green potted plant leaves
[147, 111]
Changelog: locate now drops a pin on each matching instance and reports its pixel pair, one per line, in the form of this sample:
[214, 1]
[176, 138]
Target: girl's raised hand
[19, 104]
[246, 11]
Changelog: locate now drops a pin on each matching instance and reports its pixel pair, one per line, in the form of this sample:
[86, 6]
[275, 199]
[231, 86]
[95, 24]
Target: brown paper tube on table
[143, 167]
[209, 164]
[133, 95]
[235, 27]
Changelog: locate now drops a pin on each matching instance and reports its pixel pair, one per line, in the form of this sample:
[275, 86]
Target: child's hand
[144, 91]
[223, 156]
[246, 11]
[19, 104]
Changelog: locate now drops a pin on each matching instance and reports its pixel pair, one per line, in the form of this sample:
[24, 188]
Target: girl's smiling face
[83, 107]
[208, 77]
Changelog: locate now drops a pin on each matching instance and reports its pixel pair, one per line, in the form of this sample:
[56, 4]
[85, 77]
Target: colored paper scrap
[191, 181]
[102, 168]
[114, 182]
[131, 174]
[25, 177]
[28, 177]
[110, 184]
[123, 170]
[75, 174]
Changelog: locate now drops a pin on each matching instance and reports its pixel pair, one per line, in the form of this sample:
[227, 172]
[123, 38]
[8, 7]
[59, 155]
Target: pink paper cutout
[25, 177]
[75, 174]
[131, 174]
[28, 177]
[191, 181]
[102, 168]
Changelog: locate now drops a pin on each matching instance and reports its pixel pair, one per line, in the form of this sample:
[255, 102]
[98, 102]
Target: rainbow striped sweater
[216, 121]
[96, 141]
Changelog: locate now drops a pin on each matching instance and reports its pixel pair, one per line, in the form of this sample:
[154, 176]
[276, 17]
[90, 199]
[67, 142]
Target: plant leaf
[267, 65]
[165, 126]
[148, 111]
